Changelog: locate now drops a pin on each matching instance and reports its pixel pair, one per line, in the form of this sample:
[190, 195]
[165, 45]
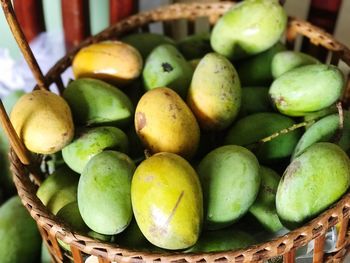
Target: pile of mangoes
[189, 138]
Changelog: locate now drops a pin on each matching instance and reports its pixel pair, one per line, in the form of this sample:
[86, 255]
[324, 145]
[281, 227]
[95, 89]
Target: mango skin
[166, 67]
[257, 70]
[235, 38]
[325, 130]
[215, 92]
[92, 141]
[230, 181]
[43, 120]
[62, 198]
[164, 123]
[167, 201]
[195, 46]
[264, 207]
[249, 130]
[17, 226]
[112, 61]
[104, 186]
[146, 42]
[307, 89]
[287, 60]
[311, 183]
[95, 102]
[254, 100]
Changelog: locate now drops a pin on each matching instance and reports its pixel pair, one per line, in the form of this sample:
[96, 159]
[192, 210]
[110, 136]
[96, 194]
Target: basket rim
[275, 247]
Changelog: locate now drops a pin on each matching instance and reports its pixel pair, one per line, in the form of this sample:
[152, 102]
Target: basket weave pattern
[51, 228]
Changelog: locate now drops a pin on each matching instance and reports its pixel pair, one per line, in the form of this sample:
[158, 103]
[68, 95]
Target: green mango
[312, 182]
[307, 89]
[62, 198]
[146, 42]
[325, 130]
[222, 240]
[264, 207]
[98, 236]
[20, 238]
[230, 181]
[166, 67]
[91, 141]
[215, 92]
[249, 130]
[286, 60]
[249, 28]
[6, 181]
[254, 100]
[95, 102]
[195, 46]
[104, 186]
[132, 237]
[257, 70]
[62, 178]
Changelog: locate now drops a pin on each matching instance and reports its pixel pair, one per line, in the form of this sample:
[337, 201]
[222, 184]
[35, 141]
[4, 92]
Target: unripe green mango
[230, 181]
[286, 60]
[95, 102]
[166, 67]
[167, 201]
[62, 198]
[132, 237]
[91, 141]
[222, 240]
[104, 192]
[311, 183]
[325, 130]
[20, 238]
[215, 92]
[257, 70]
[195, 46]
[249, 130]
[249, 28]
[264, 207]
[254, 100]
[146, 42]
[307, 89]
[62, 178]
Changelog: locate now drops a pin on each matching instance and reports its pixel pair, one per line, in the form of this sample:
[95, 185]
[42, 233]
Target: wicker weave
[51, 227]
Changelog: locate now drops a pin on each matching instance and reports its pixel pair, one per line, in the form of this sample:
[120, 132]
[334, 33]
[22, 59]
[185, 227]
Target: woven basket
[52, 229]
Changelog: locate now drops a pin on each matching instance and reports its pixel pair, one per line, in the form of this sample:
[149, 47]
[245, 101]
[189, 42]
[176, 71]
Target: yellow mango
[112, 61]
[43, 120]
[164, 123]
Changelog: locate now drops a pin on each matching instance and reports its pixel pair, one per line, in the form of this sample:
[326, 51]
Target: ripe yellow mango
[112, 61]
[43, 120]
[164, 123]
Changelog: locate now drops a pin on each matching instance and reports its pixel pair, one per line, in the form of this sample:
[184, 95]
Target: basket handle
[22, 43]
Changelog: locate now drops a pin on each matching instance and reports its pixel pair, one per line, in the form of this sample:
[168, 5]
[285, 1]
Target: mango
[6, 181]
[257, 70]
[62, 198]
[312, 182]
[104, 192]
[307, 89]
[287, 60]
[264, 207]
[71, 216]
[249, 130]
[112, 61]
[167, 201]
[215, 92]
[234, 37]
[20, 238]
[166, 67]
[254, 100]
[164, 123]
[222, 240]
[146, 42]
[95, 102]
[132, 237]
[61, 178]
[91, 141]
[325, 130]
[195, 46]
[43, 120]
[230, 181]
